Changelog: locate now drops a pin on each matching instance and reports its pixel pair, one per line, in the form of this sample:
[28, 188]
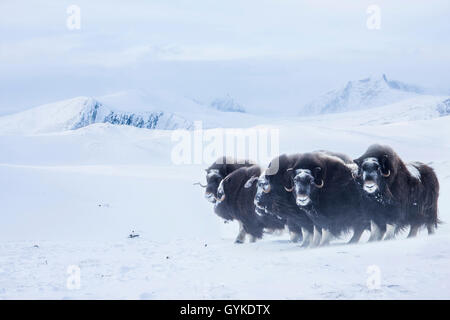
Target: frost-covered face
[263, 189]
[303, 181]
[213, 179]
[370, 175]
[305, 185]
[220, 192]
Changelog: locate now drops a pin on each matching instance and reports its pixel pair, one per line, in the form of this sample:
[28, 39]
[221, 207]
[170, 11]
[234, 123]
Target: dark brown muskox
[235, 202]
[273, 200]
[222, 167]
[396, 193]
[323, 187]
[273, 197]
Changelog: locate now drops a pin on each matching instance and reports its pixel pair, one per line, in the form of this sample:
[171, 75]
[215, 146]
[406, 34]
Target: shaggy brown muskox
[273, 197]
[222, 167]
[396, 193]
[235, 202]
[273, 200]
[323, 187]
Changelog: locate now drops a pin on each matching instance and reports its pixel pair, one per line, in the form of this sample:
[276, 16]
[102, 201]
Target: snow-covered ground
[71, 198]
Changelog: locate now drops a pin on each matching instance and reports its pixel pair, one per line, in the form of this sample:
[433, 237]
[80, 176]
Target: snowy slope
[135, 108]
[72, 198]
[361, 94]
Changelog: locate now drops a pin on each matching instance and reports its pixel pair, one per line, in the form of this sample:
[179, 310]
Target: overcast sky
[262, 52]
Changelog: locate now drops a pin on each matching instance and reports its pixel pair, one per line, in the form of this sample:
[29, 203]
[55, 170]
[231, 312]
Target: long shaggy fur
[216, 172]
[278, 202]
[335, 202]
[405, 197]
[237, 203]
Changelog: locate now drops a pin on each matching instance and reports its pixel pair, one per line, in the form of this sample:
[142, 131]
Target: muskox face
[306, 182]
[213, 179]
[372, 174]
[263, 188]
[220, 196]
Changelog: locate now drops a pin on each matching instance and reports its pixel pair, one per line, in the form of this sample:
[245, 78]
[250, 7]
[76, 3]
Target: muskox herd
[321, 195]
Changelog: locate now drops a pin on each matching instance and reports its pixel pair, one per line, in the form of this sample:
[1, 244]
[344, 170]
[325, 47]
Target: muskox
[273, 199]
[396, 193]
[324, 188]
[222, 167]
[235, 202]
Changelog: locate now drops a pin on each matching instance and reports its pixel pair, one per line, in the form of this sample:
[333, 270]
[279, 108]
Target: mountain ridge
[79, 112]
[362, 94]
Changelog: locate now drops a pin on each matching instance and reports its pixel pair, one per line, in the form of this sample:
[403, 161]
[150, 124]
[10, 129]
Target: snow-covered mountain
[227, 104]
[444, 108]
[82, 111]
[362, 94]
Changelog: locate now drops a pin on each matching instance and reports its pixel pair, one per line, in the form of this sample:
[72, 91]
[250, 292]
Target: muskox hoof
[238, 241]
[431, 229]
[326, 238]
[295, 237]
[413, 231]
[390, 232]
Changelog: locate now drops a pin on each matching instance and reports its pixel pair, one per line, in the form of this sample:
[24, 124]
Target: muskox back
[226, 165]
[423, 194]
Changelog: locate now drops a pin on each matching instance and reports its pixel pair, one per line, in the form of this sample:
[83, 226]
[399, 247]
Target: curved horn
[319, 185]
[355, 174]
[289, 169]
[386, 174]
[250, 181]
[289, 190]
[201, 185]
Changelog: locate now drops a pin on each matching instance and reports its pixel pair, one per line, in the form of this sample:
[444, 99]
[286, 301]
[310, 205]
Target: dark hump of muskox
[226, 165]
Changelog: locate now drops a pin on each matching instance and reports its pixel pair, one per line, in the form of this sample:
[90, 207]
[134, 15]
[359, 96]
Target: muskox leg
[413, 231]
[307, 237]
[357, 233]
[326, 237]
[316, 237]
[376, 231]
[253, 239]
[294, 236]
[390, 232]
[241, 235]
[431, 228]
